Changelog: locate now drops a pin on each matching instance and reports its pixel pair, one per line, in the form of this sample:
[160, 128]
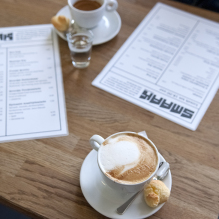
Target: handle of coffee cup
[96, 141]
[111, 5]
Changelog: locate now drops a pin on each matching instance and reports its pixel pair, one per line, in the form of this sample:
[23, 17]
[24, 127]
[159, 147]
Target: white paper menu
[32, 103]
[169, 66]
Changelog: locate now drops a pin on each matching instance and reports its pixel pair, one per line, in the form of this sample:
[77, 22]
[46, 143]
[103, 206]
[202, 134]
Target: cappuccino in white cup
[126, 160]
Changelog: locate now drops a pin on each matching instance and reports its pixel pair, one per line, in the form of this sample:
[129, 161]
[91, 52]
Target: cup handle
[96, 141]
[111, 5]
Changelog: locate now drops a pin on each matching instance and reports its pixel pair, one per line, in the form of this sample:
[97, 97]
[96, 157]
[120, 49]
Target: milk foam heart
[120, 153]
[128, 158]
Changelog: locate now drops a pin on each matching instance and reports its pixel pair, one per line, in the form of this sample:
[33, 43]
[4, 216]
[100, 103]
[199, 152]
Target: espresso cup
[91, 18]
[127, 160]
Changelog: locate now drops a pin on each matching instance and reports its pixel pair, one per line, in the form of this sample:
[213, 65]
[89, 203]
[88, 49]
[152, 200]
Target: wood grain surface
[41, 177]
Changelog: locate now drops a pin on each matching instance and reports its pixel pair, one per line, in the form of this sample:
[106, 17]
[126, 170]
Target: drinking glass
[80, 45]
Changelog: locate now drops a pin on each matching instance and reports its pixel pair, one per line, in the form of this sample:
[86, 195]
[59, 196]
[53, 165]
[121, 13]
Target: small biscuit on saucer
[156, 192]
[60, 22]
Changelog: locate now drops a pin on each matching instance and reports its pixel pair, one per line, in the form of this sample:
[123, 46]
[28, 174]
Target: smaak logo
[173, 108]
[6, 37]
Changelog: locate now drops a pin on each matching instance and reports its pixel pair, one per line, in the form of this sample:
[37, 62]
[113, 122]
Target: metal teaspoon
[161, 174]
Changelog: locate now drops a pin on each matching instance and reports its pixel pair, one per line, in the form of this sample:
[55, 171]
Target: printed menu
[32, 103]
[169, 66]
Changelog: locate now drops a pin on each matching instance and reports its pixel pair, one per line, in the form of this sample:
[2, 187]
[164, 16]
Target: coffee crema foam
[128, 158]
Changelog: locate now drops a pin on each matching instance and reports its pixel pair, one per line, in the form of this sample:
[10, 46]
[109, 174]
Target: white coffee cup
[90, 19]
[96, 141]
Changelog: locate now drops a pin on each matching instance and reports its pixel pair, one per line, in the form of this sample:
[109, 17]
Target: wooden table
[41, 177]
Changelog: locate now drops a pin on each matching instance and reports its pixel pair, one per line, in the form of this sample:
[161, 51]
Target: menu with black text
[32, 103]
[169, 66]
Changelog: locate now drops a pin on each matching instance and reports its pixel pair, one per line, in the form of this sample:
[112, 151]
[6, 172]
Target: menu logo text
[173, 108]
[6, 37]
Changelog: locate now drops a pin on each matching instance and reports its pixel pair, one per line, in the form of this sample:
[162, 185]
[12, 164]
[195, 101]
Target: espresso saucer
[105, 200]
[107, 28]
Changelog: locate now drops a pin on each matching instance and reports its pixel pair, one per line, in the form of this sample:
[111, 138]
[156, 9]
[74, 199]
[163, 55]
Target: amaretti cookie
[61, 23]
[155, 193]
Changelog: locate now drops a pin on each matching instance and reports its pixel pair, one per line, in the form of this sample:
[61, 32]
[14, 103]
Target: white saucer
[108, 27]
[105, 200]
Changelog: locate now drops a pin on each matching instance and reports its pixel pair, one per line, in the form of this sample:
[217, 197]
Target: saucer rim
[145, 216]
[119, 24]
